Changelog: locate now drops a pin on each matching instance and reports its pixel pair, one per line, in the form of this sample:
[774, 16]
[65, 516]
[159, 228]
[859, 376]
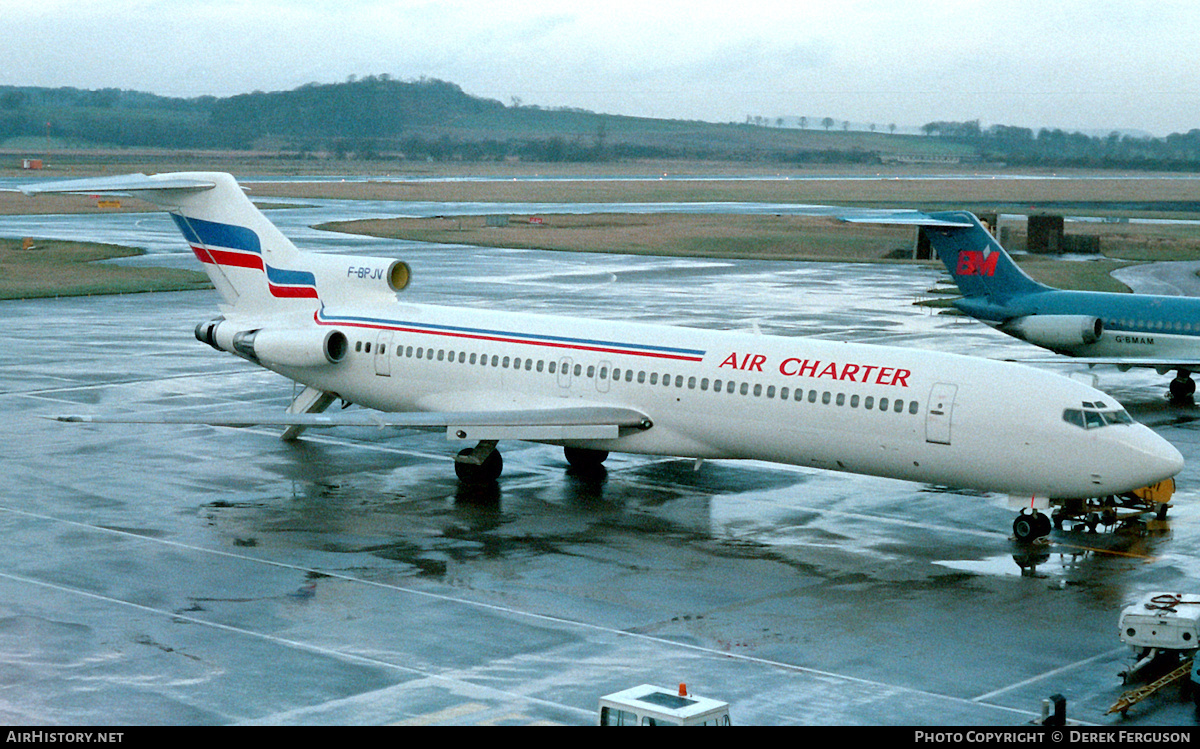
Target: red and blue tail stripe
[295, 284]
[236, 246]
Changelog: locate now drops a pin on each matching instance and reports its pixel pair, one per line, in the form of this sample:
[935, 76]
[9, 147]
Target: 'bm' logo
[976, 263]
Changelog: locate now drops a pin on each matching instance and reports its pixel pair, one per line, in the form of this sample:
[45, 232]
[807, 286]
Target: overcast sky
[1033, 63]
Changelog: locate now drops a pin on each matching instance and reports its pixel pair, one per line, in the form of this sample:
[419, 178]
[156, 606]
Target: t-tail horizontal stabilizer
[129, 184]
[906, 218]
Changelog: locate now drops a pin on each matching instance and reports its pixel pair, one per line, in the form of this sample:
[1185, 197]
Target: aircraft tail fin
[977, 262]
[254, 267]
[251, 263]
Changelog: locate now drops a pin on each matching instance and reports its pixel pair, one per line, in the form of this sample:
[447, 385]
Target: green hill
[429, 119]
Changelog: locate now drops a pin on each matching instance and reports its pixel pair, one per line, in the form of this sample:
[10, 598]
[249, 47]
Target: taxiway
[194, 575]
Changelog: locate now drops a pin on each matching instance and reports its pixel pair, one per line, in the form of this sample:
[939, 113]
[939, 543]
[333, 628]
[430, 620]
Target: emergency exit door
[383, 345]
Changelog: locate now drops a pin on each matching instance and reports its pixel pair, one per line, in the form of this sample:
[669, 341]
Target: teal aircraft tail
[976, 261]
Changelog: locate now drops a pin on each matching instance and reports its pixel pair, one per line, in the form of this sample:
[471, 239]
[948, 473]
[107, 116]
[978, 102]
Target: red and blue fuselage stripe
[503, 336]
[236, 246]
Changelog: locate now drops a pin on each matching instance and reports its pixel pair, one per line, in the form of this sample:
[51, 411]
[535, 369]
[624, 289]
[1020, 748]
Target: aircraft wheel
[486, 472]
[1183, 388]
[1044, 525]
[1025, 527]
[584, 458]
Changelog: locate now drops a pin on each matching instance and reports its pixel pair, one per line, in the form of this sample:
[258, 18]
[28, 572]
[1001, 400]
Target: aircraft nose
[1153, 459]
[1173, 463]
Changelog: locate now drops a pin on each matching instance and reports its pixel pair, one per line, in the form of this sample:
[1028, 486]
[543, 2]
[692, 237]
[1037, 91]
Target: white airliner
[334, 323]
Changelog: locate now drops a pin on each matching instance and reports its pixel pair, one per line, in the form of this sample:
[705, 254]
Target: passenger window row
[618, 374]
[1153, 325]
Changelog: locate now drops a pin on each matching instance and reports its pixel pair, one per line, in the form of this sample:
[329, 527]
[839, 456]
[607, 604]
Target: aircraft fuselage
[334, 323]
[916, 415]
[1135, 326]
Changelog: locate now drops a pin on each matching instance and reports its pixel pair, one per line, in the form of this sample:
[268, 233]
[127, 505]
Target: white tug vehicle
[648, 705]
[1163, 629]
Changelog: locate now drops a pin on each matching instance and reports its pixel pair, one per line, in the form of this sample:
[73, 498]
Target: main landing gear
[483, 463]
[585, 461]
[1183, 387]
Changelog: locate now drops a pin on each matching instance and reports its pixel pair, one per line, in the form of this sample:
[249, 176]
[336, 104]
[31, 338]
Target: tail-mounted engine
[206, 332]
[284, 347]
[1056, 331]
[371, 272]
[345, 278]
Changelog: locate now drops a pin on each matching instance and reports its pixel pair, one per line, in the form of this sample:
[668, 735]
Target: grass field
[778, 238]
[775, 237]
[685, 235]
[1092, 195]
[58, 268]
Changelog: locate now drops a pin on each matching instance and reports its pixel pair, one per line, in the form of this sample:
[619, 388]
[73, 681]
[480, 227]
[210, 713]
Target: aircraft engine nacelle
[1056, 331]
[376, 272]
[218, 333]
[351, 276]
[206, 332]
[307, 347]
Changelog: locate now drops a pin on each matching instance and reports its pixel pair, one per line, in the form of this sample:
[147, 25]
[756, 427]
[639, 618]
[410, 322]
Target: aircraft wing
[582, 422]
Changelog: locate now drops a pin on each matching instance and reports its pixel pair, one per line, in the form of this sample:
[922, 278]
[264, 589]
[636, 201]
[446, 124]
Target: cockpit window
[1095, 416]
[1118, 417]
[1074, 416]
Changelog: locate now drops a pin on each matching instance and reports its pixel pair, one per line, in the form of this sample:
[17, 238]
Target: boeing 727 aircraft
[1126, 330]
[334, 323]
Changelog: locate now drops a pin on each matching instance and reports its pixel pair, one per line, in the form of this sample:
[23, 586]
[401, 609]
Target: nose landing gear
[1030, 525]
[1132, 509]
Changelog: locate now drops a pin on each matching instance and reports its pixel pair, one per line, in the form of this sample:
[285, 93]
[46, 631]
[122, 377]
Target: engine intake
[398, 275]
